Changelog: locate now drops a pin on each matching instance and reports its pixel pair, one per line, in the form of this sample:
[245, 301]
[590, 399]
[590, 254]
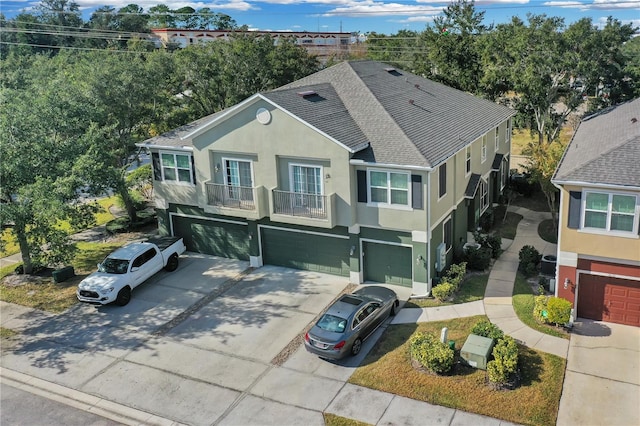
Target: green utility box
[477, 350]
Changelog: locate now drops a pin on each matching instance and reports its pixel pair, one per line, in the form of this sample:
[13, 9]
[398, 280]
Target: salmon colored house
[598, 241]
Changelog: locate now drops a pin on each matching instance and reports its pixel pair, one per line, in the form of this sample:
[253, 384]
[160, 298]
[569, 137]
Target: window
[610, 212]
[504, 173]
[447, 233]
[483, 154]
[389, 188]
[237, 176]
[442, 180]
[144, 258]
[509, 130]
[176, 167]
[484, 195]
[468, 158]
[497, 138]
[307, 182]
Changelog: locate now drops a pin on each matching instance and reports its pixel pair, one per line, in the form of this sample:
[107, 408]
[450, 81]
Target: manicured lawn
[333, 420]
[471, 289]
[102, 217]
[388, 368]
[56, 297]
[523, 303]
[547, 231]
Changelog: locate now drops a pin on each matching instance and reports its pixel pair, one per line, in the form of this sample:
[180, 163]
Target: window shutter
[442, 180]
[575, 207]
[362, 186]
[157, 169]
[193, 170]
[416, 192]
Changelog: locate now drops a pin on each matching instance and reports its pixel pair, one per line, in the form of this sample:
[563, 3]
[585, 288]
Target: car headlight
[106, 290]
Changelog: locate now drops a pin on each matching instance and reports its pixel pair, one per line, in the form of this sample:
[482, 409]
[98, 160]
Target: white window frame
[497, 142]
[310, 166]
[444, 240]
[483, 151]
[509, 131]
[484, 191]
[608, 231]
[504, 172]
[239, 160]
[388, 188]
[467, 160]
[440, 197]
[176, 168]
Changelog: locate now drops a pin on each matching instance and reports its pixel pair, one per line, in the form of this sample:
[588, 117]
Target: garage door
[386, 263]
[609, 299]
[305, 251]
[213, 237]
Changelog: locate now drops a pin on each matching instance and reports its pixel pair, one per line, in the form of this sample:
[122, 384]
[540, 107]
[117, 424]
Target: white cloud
[565, 4]
[596, 5]
[370, 9]
[416, 19]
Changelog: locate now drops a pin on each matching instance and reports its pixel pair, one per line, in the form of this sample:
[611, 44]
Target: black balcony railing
[298, 204]
[238, 197]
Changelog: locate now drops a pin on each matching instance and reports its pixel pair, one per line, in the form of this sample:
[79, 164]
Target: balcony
[235, 197]
[303, 209]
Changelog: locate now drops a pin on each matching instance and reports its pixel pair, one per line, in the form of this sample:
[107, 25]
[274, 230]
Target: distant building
[323, 45]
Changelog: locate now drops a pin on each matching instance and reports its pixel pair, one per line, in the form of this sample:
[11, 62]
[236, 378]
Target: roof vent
[417, 86]
[634, 120]
[307, 93]
[389, 69]
[411, 101]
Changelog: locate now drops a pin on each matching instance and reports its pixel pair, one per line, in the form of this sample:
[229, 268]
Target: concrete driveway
[194, 345]
[602, 379]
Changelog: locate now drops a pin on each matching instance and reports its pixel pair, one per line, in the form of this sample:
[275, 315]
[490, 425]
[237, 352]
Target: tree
[161, 16]
[186, 17]
[132, 19]
[38, 152]
[64, 20]
[631, 52]
[453, 45]
[221, 21]
[398, 49]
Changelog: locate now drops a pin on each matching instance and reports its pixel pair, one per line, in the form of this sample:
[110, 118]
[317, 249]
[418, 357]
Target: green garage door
[386, 263]
[305, 251]
[212, 237]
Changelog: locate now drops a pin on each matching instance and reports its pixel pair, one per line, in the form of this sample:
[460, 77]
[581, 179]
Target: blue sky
[381, 16]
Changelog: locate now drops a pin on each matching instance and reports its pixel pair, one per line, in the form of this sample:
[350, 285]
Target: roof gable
[605, 148]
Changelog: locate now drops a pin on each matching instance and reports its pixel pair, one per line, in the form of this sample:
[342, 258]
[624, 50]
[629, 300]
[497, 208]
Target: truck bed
[163, 242]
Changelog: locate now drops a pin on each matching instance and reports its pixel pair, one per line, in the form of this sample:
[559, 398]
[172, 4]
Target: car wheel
[124, 296]
[172, 263]
[357, 345]
[393, 308]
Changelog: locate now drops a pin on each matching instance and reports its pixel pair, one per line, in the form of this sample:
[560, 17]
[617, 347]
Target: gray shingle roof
[497, 160]
[173, 137]
[407, 119]
[605, 149]
[472, 186]
[324, 110]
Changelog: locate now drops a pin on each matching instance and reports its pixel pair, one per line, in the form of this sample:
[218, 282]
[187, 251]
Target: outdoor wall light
[250, 236]
[353, 250]
[217, 168]
[419, 260]
[567, 281]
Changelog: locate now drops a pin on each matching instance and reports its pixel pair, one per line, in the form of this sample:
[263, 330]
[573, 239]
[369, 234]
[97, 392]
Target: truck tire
[172, 263]
[124, 296]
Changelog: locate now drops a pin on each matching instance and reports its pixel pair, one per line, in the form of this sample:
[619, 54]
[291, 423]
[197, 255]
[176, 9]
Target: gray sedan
[350, 320]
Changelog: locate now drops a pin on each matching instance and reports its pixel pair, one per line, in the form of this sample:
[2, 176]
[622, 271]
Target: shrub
[455, 274]
[443, 291]
[431, 353]
[558, 310]
[505, 361]
[485, 328]
[490, 241]
[529, 260]
[486, 220]
[478, 259]
[540, 308]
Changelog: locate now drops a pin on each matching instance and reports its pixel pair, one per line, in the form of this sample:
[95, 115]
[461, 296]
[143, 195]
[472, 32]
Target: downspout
[429, 234]
[559, 239]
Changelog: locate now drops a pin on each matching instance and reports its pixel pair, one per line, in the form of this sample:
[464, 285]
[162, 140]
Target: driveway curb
[82, 401]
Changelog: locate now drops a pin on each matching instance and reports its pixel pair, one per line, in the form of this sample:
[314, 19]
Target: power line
[73, 48]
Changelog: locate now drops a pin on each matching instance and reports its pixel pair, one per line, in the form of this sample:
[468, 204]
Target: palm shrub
[443, 291]
[431, 353]
[455, 274]
[505, 361]
[486, 328]
[529, 260]
[558, 310]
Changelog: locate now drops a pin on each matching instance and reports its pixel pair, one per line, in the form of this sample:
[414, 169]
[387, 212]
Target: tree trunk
[21, 236]
[123, 191]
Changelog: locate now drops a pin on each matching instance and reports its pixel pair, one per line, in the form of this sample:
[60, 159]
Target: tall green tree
[161, 16]
[398, 49]
[454, 47]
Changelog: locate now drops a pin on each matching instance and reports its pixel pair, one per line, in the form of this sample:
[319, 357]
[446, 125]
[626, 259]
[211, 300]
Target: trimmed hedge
[505, 361]
[431, 353]
[443, 291]
[529, 260]
[485, 328]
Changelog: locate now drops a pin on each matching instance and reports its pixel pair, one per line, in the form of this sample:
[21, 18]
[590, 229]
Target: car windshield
[114, 266]
[332, 323]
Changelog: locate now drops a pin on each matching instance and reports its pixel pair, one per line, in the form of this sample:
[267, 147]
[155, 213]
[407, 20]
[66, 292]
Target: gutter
[389, 166]
[167, 147]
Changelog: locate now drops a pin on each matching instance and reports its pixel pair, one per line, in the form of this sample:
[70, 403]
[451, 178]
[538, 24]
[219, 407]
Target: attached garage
[215, 237]
[302, 250]
[609, 299]
[387, 263]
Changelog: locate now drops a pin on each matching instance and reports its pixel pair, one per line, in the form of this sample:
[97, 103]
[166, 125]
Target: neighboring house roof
[472, 186]
[382, 115]
[407, 119]
[605, 149]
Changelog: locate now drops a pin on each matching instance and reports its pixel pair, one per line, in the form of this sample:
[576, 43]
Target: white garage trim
[192, 216]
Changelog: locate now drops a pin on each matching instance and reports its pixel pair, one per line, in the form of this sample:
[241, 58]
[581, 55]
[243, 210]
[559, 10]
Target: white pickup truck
[127, 268]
